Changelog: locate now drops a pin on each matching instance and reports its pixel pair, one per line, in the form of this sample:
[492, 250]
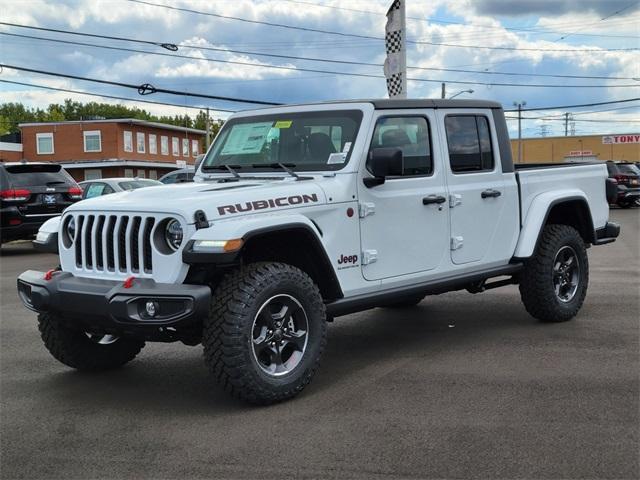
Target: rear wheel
[555, 279]
[86, 351]
[265, 333]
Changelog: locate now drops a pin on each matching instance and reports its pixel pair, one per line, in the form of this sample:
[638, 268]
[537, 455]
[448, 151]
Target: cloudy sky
[557, 40]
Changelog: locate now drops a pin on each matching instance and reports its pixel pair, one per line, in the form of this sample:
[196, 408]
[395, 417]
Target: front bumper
[105, 306]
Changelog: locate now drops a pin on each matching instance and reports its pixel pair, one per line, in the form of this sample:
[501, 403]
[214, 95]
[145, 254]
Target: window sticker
[283, 124]
[336, 158]
[246, 139]
[347, 147]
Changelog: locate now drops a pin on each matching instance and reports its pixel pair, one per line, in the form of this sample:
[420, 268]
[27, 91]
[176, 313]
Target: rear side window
[37, 175]
[469, 143]
[409, 134]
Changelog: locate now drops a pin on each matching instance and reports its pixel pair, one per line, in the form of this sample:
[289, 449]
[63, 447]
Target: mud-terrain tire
[255, 348]
[407, 302]
[78, 350]
[555, 279]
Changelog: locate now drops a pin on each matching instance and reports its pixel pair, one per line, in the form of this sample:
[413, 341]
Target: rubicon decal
[347, 261]
[269, 203]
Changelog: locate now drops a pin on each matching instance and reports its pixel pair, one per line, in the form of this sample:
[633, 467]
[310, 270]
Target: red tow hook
[49, 274]
[128, 282]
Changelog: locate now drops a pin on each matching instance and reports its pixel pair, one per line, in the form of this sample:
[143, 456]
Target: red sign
[609, 139]
[580, 153]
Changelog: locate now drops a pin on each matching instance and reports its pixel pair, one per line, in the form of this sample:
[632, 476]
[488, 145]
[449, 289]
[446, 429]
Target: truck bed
[572, 180]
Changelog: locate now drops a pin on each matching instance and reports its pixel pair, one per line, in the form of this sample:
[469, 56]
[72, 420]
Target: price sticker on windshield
[283, 124]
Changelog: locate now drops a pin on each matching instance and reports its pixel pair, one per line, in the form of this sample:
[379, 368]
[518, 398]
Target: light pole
[519, 105]
[460, 93]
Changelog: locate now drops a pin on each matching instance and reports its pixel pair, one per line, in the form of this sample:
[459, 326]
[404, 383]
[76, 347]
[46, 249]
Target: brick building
[109, 148]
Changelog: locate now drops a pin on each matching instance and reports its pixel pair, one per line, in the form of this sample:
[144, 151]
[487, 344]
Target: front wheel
[86, 351]
[265, 333]
[555, 279]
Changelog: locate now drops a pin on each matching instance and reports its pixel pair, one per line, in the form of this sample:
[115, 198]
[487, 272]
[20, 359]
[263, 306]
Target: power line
[144, 89]
[448, 22]
[601, 20]
[114, 97]
[564, 107]
[301, 69]
[294, 57]
[561, 107]
[369, 37]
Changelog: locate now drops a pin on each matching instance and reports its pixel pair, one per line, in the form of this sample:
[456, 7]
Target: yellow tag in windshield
[283, 124]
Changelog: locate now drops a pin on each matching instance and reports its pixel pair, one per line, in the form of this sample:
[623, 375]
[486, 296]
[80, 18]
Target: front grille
[119, 244]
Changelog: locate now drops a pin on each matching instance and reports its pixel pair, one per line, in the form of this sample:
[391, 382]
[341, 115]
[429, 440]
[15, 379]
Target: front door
[404, 222]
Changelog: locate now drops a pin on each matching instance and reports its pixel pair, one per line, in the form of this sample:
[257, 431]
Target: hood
[217, 200]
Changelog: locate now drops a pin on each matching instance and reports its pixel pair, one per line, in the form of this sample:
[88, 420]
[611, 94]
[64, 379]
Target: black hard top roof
[388, 104]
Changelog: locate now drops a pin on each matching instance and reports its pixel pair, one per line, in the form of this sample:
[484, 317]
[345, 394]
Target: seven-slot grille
[120, 244]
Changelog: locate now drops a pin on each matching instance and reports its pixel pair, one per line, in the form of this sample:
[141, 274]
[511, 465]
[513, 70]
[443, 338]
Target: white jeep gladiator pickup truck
[300, 214]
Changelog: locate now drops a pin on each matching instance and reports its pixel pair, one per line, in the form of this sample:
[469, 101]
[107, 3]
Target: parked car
[627, 177]
[30, 194]
[305, 213]
[47, 238]
[183, 175]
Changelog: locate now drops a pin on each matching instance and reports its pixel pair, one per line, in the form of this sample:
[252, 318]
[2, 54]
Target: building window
[194, 148]
[175, 147]
[44, 143]
[164, 145]
[141, 173]
[92, 141]
[185, 147]
[153, 144]
[94, 174]
[128, 172]
[153, 174]
[128, 141]
[140, 148]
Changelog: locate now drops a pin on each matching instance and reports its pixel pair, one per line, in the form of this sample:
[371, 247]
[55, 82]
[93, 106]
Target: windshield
[308, 141]
[135, 184]
[627, 169]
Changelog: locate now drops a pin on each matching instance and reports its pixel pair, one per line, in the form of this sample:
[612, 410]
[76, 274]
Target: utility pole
[207, 129]
[519, 105]
[566, 124]
[444, 90]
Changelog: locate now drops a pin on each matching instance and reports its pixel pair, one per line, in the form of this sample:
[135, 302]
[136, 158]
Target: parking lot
[462, 386]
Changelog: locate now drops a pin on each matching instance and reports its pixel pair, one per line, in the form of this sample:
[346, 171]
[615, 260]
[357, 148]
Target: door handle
[431, 199]
[490, 193]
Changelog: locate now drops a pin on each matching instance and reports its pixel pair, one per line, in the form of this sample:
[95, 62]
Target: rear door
[483, 205]
[401, 233]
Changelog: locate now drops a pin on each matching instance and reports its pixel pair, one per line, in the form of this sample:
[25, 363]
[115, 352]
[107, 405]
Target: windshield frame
[356, 114]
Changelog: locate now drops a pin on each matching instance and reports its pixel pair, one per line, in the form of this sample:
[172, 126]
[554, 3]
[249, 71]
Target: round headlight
[173, 234]
[71, 229]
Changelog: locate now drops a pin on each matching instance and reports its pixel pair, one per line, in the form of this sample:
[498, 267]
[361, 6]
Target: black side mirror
[382, 163]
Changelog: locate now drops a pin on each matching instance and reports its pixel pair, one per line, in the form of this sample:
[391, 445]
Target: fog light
[152, 308]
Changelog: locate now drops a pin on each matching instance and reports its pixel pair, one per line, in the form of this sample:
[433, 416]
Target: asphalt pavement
[462, 386]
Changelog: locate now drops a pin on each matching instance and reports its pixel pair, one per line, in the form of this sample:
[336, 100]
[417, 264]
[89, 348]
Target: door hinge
[456, 242]
[455, 199]
[366, 209]
[369, 256]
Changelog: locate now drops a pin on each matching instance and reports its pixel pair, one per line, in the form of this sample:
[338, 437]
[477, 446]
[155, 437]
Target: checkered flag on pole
[395, 65]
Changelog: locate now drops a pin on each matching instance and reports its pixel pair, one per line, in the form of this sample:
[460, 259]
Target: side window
[469, 142]
[94, 190]
[409, 134]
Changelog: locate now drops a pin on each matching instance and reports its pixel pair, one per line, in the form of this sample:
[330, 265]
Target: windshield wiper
[225, 166]
[284, 166]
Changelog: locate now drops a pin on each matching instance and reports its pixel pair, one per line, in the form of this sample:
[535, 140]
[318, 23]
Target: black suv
[30, 194]
[627, 176]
